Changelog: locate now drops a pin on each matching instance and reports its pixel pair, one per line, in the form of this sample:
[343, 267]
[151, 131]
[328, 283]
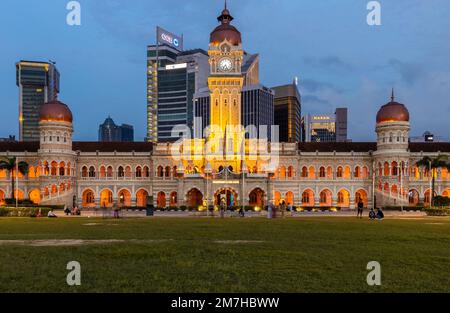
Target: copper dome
[55, 111]
[393, 112]
[225, 30]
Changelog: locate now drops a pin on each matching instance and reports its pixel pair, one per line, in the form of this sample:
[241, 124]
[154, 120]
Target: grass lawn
[205, 255]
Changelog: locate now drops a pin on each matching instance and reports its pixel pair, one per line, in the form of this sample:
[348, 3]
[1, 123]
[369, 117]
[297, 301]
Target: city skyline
[365, 63]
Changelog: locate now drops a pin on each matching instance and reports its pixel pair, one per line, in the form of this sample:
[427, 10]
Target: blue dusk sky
[340, 60]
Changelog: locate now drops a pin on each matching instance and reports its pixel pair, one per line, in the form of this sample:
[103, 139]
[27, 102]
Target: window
[322, 173]
[340, 172]
[121, 172]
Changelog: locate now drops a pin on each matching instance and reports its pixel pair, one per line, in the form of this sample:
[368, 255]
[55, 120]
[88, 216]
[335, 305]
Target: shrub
[23, 212]
[441, 201]
[437, 211]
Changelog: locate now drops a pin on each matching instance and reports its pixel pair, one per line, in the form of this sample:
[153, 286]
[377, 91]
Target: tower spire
[226, 5]
[392, 95]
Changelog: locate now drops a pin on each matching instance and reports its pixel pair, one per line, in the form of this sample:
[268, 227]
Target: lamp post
[431, 179]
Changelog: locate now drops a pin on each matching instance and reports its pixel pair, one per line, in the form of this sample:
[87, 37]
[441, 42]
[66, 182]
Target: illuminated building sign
[176, 66]
[168, 38]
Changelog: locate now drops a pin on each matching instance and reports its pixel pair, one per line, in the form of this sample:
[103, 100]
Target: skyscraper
[288, 112]
[38, 83]
[110, 132]
[171, 88]
[326, 127]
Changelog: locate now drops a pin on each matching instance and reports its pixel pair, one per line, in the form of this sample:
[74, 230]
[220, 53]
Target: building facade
[201, 171]
[110, 132]
[288, 112]
[38, 83]
[326, 128]
[172, 80]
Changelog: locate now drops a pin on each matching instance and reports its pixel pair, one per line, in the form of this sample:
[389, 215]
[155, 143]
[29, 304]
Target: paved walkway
[109, 214]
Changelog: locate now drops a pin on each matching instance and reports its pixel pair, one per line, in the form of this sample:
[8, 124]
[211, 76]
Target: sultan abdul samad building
[223, 166]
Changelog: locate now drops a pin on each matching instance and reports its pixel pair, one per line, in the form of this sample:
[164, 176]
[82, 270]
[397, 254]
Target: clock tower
[225, 80]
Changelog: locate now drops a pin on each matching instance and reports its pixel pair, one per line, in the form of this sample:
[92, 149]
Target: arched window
[167, 171]
[54, 168]
[146, 171]
[340, 172]
[357, 172]
[138, 172]
[160, 171]
[128, 171]
[394, 167]
[91, 171]
[109, 172]
[120, 172]
[386, 169]
[174, 172]
[291, 172]
[102, 172]
[84, 171]
[312, 172]
[322, 173]
[304, 172]
[62, 169]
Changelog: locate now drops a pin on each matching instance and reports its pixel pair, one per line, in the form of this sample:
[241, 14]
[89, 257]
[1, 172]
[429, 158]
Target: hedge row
[23, 212]
[438, 211]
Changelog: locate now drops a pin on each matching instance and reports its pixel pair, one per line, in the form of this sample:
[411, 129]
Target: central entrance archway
[227, 195]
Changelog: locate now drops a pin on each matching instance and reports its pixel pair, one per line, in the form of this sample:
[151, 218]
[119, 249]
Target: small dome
[55, 111]
[393, 112]
[225, 30]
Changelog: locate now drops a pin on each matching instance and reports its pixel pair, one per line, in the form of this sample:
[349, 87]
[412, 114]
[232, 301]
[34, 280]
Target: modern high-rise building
[326, 127]
[110, 132]
[173, 77]
[38, 83]
[341, 124]
[288, 112]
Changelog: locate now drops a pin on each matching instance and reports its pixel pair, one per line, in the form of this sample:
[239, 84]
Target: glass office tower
[38, 83]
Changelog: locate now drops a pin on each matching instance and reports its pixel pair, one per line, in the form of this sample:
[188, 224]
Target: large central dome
[55, 111]
[225, 30]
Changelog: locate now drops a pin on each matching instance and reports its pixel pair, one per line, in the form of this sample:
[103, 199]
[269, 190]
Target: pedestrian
[380, 214]
[283, 208]
[360, 208]
[270, 211]
[372, 214]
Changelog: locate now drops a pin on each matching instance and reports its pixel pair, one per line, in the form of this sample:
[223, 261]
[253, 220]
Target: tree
[441, 161]
[10, 165]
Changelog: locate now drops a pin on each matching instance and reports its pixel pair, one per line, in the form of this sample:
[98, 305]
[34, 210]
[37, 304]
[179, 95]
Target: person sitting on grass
[380, 214]
[372, 214]
[51, 214]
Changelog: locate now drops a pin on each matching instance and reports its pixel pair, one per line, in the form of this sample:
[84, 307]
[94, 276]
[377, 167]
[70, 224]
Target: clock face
[225, 65]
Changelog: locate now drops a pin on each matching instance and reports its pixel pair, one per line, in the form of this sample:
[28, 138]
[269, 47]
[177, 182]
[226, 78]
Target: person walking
[360, 208]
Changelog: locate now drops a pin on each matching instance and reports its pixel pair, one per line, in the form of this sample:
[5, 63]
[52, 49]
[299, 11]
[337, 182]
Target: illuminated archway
[446, 193]
[308, 198]
[361, 194]
[343, 198]
[124, 197]
[18, 194]
[173, 201]
[35, 196]
[141, 198]
[325, 197]
[2, 197]
[256, 198]
[194, 198]
[277, 198]
[289, 198]
[88, 198]
[161, 200]
[413, 197]
[106, 198]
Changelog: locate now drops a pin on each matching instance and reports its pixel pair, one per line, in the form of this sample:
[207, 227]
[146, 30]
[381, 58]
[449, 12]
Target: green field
[231, 255]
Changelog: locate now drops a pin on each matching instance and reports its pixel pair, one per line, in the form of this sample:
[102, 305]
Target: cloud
[328, 63]
[409, 72]
[312, 85]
